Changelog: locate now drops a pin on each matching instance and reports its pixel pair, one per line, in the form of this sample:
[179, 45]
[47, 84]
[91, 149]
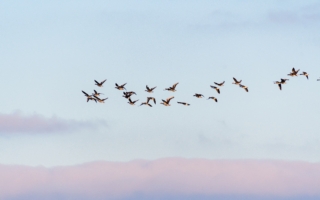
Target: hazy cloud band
[18, 123]
[174, 176]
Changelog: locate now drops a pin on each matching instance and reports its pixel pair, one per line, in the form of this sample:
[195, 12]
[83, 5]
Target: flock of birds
[128, 94]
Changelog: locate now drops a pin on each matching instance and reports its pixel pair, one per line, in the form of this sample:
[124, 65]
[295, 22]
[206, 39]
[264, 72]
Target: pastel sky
[52, 50]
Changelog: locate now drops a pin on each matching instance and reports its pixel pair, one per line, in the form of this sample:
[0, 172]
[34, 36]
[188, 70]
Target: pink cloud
[17, 123]
[173, 176]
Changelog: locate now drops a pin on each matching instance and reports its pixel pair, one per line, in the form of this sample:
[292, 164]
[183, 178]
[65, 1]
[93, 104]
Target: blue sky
[53, 50]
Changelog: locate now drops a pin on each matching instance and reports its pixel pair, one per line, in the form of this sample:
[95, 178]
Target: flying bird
[184, 103]
[293, 72]
[216, 88]
[198, 95]
[128, 94]
[100, 100]
[167, 101]
[283, 81]
[146, 103]
[132, 102]
[305, 74]
[96, 93]
[172, 88]
[244, 87]
[213, 98]
[219, 84]
[120, 87]
[236, 82]
[100, 84]
[150, 90]
[152, 99]
[89, 97]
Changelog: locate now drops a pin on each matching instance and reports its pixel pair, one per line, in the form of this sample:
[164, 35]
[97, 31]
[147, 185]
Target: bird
[96, 93]
[128, 94]
[198, 95]
[293, 72]
[216, 88]
[150, 90]
[167, 101]
[213, 98]
[89, 97]
[146, 103]
[132, 102]
[305, 74]
[151, 98]
[120, 87]
[283, 81]
[100, 84]
[172, 88]
[244, 87]
[100, 100]
[184, 103]
[236, 82]
[219, 84]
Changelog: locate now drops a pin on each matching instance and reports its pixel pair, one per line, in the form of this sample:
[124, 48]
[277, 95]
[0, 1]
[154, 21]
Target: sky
[52, 50]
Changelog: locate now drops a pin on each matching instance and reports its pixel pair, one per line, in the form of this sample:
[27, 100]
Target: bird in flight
[198, 95]
[184, 103]
[150, 90]
[89, 97]
[283, 81]
[128, 94]
[120, 87]
[132, 102]
[216, 88]
[152, 99]
[244, 87]
[172, 88]
[100, 100]
[305, 74]
[96, 93]
[236, 82]
[219, 84]
[99, 84]
[294, 72]
[213, 98]
[167, 101]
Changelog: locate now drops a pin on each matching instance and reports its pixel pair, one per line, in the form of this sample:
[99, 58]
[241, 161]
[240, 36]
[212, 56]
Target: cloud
[17, 123]
[164, 177]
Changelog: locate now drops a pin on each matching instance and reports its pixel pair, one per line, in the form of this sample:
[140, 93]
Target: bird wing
[96, 82]
[218, 90]
[147, 87]
[85, 93]
[168, 99]
[103, 81]
[235, 80]
[174, 85]
[247, 89]
[153, 88]
[280, 86]
[117, 85]
[123, 85]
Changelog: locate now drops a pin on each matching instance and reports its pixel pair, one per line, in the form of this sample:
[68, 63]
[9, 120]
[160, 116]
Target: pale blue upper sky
[51, 50]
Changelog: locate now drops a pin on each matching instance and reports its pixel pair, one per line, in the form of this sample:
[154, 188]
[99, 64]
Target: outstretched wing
[168, 99]
[174, 85]
[235, 80]
[85, 93]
